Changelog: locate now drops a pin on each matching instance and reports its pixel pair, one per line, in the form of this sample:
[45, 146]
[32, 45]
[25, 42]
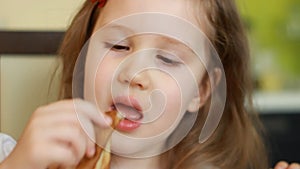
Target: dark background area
[282, 135]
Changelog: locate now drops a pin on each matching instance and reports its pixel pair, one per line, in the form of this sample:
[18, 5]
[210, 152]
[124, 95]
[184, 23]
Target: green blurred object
[274, 33]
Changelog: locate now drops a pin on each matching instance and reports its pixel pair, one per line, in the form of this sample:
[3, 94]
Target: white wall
[25, 79]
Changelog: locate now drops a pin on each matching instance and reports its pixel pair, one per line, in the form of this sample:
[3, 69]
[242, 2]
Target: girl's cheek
[172, 113]
[174, 99]
[100, 85]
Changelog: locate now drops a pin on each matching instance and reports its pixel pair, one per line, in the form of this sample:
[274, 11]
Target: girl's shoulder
[7, 143]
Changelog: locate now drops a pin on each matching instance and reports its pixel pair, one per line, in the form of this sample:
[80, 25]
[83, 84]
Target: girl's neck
[119, 162]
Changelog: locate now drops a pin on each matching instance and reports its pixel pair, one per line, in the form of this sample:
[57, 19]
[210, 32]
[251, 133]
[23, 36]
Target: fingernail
[91, 152]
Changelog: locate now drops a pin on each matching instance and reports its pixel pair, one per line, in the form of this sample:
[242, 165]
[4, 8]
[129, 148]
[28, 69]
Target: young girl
[163, 86]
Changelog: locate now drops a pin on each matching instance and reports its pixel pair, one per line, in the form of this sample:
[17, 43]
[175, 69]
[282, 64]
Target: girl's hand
[54, 136]
[285, 165]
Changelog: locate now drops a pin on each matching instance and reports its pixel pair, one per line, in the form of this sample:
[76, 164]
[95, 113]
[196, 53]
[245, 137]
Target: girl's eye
[168, 61]
[116, 47]
[120, 47]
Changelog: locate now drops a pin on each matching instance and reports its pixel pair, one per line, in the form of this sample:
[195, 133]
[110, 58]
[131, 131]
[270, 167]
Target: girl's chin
[131, 147]
[134, 152]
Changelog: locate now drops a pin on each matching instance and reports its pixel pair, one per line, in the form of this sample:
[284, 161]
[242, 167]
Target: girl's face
[151, 78]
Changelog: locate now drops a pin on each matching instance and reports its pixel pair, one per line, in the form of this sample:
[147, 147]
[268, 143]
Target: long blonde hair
[236, 143]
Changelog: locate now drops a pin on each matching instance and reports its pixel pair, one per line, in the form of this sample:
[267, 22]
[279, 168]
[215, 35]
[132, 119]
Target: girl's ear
[194, 105]
[205, 90]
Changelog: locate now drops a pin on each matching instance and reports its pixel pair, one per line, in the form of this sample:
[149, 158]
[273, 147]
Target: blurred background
[274, 34]
[31, 30]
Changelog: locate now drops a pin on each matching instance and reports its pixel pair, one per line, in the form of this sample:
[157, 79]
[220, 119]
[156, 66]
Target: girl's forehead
[115, 9]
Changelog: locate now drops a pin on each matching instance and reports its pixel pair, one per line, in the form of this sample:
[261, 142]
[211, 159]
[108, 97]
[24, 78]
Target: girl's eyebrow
[176, 43]
[131, 32]
[172, 41]
[124, 29]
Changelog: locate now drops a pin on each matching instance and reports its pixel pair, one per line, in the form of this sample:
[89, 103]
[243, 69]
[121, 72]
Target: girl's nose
[137, 79]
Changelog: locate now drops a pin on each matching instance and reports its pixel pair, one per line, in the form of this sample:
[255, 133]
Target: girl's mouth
[131, 111]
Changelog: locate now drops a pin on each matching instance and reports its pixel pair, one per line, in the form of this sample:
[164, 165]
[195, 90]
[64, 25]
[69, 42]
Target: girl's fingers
[281, 165]
[285, 165]
[91, 148]
[89, 131]
[81, 107]
[73, 137]
[63, 132]
[83, 113]
[87, 115]
[62, 155]
[98, 118]
[294, 166]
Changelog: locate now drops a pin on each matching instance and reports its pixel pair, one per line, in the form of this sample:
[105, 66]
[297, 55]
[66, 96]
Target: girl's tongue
[129, 112]
[131, 120]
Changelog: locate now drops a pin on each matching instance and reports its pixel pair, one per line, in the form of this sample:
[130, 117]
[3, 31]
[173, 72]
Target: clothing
[7, 144]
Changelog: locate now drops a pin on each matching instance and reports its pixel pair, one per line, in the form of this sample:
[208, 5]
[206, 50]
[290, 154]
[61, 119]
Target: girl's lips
[128, 101]
[131, 111]
[128, 125]
[129, 107]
